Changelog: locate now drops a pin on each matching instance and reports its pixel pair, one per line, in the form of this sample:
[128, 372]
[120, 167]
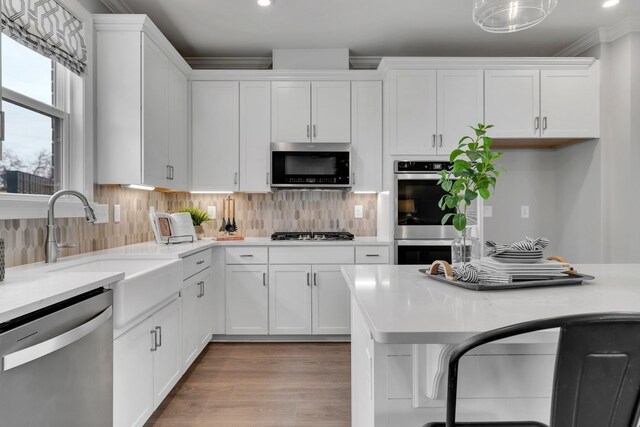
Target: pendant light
[508, 16]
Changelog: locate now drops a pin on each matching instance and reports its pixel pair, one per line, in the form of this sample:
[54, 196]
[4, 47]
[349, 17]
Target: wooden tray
[571, 279]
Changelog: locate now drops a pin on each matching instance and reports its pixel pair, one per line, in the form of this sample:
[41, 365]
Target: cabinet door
[331, 301]
[460, 105]
[331, 112]
[290, 111]
[412, 112]
[570, 103]
[155, 111]
[167, 359]
[178, 121]
[206, 310]
[215, 136]
[247, 298]
[289, 299]
[255, 137]
[133, 376]
[190, 344]
[366, 136]
[512, 103]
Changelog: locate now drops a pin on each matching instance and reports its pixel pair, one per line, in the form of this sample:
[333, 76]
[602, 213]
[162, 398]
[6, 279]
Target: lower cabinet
[146, 365]
[197, 315]
[247, 299]
[308, 299]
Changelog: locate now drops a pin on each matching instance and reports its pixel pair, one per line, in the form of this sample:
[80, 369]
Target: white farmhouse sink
[147, 282]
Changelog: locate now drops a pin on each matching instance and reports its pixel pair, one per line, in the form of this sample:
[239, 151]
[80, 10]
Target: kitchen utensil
[233, 222]
[224, 211]
[229, 226]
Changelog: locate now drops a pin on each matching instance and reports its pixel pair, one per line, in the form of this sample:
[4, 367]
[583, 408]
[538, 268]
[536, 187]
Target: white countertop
[30, 287]
[402, 305]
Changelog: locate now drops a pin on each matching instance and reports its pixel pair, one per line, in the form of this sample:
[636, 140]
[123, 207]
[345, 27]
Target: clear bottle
[466, 248]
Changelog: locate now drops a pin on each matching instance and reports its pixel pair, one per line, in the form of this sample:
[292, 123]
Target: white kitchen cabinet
[147, 364]
[460, 105]
[190, 345]
[311, 111]
[331, 301]
[569, 103]
[512, 103]
[289, 299]
[412, 111]
[554, 103]
[205, 309]
[141, 109]
[215, 136]
[247, 299]
[255, 136]
[366, 135]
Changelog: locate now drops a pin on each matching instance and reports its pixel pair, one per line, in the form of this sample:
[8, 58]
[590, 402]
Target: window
[33, 147]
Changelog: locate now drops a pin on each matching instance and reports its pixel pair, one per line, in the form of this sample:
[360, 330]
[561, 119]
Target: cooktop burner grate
[313, 236]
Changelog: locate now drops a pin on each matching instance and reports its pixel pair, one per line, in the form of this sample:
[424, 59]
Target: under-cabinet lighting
[264, 3]
[610, 3]
[211, 192]
[140, 187]
[364, 192]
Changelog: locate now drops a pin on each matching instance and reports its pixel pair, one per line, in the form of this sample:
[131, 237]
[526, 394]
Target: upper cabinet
[310, 111]
[255, 137]
[141, 102]
[553, 103]
[366, 135]
[429, 110]
[215, 136]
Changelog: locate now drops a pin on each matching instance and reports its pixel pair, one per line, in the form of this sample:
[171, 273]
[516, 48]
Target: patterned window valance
[48, 28]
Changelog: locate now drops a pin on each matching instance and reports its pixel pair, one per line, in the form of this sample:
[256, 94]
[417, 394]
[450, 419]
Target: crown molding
[602, 35]
[273, 75]
[230, 63]
[117, 6]
[364, 62]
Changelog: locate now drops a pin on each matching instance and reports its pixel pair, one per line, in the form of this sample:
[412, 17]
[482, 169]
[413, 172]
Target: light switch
[212, 211]
[358, 213]
[524, 211]
[487, 211]
[116, 213]
[102, 214]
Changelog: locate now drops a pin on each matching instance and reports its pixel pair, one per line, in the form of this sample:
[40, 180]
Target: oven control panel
[402, 166]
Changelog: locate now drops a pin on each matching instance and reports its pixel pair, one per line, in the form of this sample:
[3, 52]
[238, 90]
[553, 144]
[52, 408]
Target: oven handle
[424, 242]
[417, 176]
[20, 357]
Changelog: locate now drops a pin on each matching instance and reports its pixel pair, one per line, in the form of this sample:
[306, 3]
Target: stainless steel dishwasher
[57, 365]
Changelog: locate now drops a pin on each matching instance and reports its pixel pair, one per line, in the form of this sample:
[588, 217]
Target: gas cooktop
[313, 236]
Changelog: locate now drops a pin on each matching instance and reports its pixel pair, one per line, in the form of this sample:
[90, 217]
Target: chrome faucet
[52, 246]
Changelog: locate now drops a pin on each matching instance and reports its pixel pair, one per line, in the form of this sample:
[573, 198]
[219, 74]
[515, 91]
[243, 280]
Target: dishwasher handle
[20, 357]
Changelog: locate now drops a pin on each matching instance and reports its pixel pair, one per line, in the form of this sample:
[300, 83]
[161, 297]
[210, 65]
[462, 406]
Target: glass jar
[466, 248]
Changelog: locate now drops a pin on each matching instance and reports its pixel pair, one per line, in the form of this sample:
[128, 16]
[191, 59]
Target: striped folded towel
[526, 245]
[471, 273]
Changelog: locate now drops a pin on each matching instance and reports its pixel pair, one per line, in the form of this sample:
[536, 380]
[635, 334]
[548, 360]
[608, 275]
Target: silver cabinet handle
[315, 279]
[159, 336]
[536, 123]
[544, 122]
[264, 279]
[373, 254]
[172, 173]
[315, 134]
[308, 279]
[440, 141]
[200, 262]
[203, 290]
[307, 131]
[235, 178]
[434, 140]
[267, 178]
[26, 355]
[200, 289]
[154, 340]
[168, 171]
[245, 256]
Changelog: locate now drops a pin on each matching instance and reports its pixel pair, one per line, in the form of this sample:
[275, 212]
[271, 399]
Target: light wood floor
[262, 385]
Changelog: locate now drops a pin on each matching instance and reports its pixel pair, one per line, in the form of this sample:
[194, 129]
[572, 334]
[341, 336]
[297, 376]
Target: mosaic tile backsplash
[257, 215]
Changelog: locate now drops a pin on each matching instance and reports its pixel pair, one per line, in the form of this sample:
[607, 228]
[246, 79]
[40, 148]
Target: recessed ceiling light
[610, 3]
[264, 3]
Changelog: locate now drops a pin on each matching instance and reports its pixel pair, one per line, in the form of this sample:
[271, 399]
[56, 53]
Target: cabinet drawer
[246, 255]
[311, 255]
[372, 255]
[195, 263]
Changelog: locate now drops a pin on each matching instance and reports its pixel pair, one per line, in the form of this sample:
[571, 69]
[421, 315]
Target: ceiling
[241, 28]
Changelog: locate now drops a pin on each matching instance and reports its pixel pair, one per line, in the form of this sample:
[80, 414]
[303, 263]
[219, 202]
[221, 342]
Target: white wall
[94, 6]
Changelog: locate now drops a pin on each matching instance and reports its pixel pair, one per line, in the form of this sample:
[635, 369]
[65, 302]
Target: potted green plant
[473, 174]
[198, 216]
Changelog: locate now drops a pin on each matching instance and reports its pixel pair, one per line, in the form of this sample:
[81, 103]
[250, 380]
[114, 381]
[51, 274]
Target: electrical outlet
[524, 211]
[212, 211]
[487, 211]
[116, 213]
[102, 214]
[358, 212]
[152, 209]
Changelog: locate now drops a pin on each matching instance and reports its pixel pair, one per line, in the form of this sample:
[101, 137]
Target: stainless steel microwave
[310, 166]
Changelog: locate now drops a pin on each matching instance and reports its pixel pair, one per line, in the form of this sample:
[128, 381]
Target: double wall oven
[420, 237]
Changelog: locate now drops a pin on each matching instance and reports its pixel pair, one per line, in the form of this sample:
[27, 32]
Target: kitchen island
[404, 326]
